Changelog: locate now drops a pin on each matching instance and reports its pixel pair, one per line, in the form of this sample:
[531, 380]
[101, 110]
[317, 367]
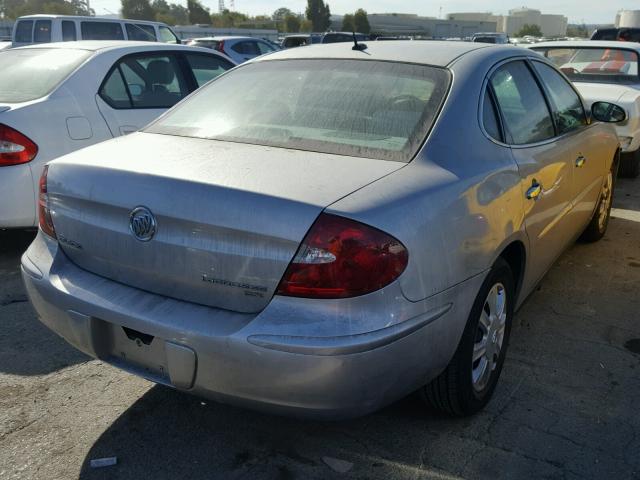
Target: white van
[65, 28]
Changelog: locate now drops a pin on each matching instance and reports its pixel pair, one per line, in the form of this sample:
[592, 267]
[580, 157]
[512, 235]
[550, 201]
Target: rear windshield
[485, 39]
[368, 109]
[33, 73]
[598, 65]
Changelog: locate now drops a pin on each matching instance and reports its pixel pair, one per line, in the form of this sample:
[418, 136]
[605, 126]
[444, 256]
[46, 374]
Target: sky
[578, 11]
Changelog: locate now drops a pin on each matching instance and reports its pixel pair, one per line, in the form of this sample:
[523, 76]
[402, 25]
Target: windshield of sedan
[594, 64]
[371, 109]
[32, 73]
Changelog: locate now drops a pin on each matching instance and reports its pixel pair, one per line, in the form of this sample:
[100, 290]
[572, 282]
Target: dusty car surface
[363, 231]
[605, 70]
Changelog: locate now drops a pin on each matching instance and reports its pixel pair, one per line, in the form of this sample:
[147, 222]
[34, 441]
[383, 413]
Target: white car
[240, 49]
[59, 97]
[68, 28]
[605, 70]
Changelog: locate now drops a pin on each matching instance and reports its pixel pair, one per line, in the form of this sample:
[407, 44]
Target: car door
[140, 87]
[543, 163]
[584, 151]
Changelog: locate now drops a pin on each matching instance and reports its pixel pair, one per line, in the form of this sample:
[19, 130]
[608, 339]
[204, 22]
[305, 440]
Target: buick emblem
[142, 224]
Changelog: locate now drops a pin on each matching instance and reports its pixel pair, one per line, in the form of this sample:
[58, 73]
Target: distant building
[430, 27]
[628, 19]
[550, 25]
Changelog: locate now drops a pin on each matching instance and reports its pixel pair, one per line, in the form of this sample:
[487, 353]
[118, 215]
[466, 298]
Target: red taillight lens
[44, 213]
[15, 148]
[342, 258]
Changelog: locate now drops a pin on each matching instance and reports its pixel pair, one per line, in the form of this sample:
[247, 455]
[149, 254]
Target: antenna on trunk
[360, 47]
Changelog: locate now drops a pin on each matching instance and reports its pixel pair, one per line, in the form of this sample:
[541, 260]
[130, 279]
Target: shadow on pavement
[26, 346]
[169, 434]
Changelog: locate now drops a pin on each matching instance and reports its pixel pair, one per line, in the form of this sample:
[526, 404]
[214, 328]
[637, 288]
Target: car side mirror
[608, 112]
[135, 89]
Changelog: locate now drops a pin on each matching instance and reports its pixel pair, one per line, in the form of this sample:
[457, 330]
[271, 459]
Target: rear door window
[24, 31]
[101, 31]
[42, 31]
[207, 67]
[490, 118]
[139, 31]
[568, 110]
[151, 81]
[524, 109]
[114, 90]
[68, 31]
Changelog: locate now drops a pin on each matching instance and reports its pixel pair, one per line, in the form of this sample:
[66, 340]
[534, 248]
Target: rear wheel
[630, 164]
[598, 225]
[469, 380]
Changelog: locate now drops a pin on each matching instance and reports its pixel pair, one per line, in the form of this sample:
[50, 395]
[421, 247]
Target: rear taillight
[220, 46]
[15, 148]
[44, 213]
[342, 258]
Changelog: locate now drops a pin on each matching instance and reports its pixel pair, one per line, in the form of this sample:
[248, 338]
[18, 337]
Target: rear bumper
[17, 208]
[270, 361]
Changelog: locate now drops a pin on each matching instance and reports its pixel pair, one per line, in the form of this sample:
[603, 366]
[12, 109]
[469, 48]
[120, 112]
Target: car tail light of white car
[15, 148]
[341, 258]
[44, 212]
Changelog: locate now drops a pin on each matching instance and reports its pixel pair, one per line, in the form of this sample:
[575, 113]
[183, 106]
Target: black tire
[600, 221]
[453, 391]
[630, 164]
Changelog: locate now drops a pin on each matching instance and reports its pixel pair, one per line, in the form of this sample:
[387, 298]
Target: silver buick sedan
[322, 231]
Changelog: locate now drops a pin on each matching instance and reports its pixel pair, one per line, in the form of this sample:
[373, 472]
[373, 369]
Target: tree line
[316, 18]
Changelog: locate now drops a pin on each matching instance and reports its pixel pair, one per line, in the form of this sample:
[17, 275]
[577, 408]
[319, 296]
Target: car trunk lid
[230, 217]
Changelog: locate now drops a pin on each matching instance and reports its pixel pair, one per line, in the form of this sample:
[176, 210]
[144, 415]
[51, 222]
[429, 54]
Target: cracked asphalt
[566, 406]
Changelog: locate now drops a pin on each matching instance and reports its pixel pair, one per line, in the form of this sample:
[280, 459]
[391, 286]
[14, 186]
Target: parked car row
[319, 231]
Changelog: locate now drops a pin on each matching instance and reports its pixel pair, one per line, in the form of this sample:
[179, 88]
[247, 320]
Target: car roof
[84, 17]
[100, 46]
[233, 37]
[588, 43]
[426, 52]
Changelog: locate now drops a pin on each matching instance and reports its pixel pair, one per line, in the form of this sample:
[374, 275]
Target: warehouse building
[511, 24]
[414, 25]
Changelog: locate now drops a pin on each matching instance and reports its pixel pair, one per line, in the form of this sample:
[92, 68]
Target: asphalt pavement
[566, 405]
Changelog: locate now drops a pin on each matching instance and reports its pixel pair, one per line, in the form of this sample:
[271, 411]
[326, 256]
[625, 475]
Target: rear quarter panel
[457, 204]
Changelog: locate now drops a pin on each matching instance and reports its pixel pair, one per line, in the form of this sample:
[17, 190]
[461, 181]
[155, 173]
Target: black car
[622, 34]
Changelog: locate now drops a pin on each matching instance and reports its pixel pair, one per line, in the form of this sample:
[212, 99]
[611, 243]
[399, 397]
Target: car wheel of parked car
[630, 165]
[598, 225]
[468, 382]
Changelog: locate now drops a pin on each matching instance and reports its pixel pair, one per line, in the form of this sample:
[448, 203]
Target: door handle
[580, 161]
[534, 191]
